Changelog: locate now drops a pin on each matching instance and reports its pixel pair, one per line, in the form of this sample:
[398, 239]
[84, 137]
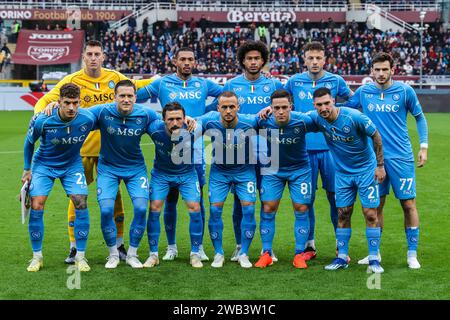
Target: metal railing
[298, 5]
[143, 10]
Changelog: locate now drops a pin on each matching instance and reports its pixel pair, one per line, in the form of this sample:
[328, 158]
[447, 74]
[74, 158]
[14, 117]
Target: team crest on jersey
[370, 107]
[172, 95]
[302, 95]
[99, 191]
[138, 120]
[111, 84]
[241, 100]
[87, 99]
[83, 128]
[197, 84]
[55, 141]
[266, 88]
[346, 129]
[110, 130]
[328, 85]
[396, 97]
[296, 130]
[31, 186]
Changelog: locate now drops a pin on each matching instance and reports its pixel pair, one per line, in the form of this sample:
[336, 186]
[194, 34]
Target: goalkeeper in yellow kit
[97, 87]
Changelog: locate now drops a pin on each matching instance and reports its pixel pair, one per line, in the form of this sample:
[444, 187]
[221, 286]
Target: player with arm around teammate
[173, 167]
[58, 157]
[289, 164]
[122, 125]
[358, 170]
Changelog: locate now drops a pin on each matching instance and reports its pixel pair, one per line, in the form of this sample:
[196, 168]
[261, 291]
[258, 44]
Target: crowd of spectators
[349, 48]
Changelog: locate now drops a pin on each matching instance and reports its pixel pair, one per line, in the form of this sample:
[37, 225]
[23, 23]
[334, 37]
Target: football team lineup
[306, 132]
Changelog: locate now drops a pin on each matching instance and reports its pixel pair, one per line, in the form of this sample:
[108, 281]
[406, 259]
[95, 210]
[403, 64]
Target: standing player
[191, 92]
[301, 86]
[232, 166]
[387, 103]
[253, 90]
[172, 143]
[122, 125]
[286, 129]
[358, 170]
[58, 157]
[97, 86]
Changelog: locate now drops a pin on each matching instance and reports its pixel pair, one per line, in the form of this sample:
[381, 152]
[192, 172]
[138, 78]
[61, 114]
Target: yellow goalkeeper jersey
[93, 91]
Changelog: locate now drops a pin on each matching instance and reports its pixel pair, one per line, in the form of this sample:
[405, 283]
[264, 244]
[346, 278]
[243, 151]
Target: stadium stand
[349, 48]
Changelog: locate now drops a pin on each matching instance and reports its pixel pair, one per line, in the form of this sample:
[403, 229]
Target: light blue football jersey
[253, 95]
[60, 142]
[191, 93]
[231, 147]
[121, 135]
[347, 138]
[167, 148]
[388, 109]
[290, 140]
[302, 87]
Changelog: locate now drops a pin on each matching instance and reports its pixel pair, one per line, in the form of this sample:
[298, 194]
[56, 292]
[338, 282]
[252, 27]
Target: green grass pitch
[178, 280]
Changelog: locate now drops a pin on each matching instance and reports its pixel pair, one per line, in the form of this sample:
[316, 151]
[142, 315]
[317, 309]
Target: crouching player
[358, 170]
[122, 125]
[58, 157]
[289, 164]
[173, 168]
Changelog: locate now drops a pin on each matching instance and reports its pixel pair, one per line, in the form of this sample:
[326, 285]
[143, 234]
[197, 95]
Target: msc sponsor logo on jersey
[69, 140]
[286, 141]
[102, 97]
[336, 137]
[185, 95]
[255, 100]
[385, 107]
[128, 132]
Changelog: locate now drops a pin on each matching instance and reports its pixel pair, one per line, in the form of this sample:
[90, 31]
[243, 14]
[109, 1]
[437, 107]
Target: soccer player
[287, 130]
[253, 90]
[122, 125]
[97, 86]
[387, 103]
[58, 157]
[358, 170]
[232, 165]
[173, 167]
[301, 86]
[191, 92]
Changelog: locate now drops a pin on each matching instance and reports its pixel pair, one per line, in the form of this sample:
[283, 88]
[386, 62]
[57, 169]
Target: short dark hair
[252, 46]
[321, 92]
[313, 46]
[382, 57]
[124, 83]
[281, 93]
[227, 94]
[183, 49]
[172, 106]
[93, 43]
[69, 90]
